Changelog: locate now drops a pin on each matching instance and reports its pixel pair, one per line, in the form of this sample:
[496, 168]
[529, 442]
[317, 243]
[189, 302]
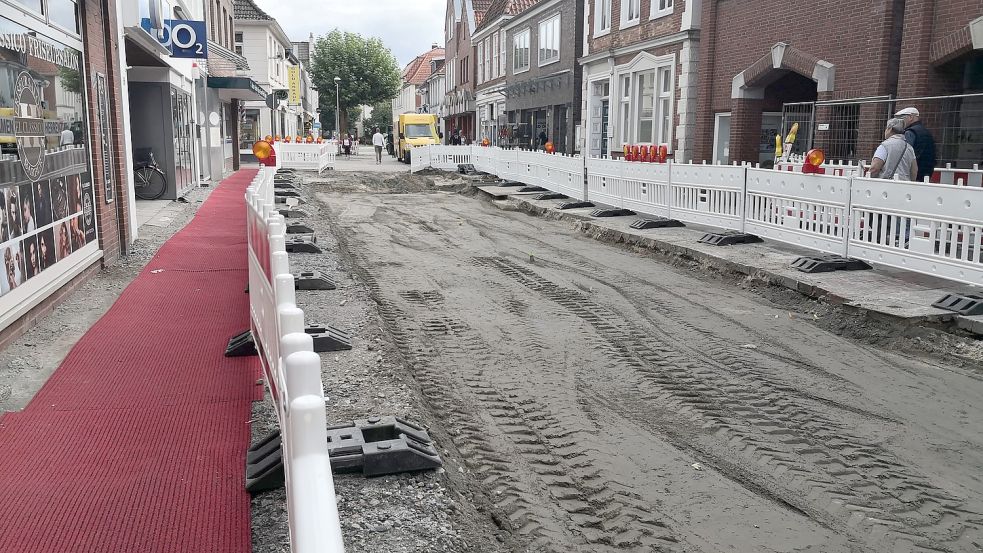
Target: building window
[661, 8]
[496, 64]
[549, 40]
[625, 108]
[239, 49]
[239, 37]
[646, 105]
[520, 51]
[465, 77]
[64, 13]
[487, 60]
[503, 44]
[630, 12]
[481, 62]
[602, 16]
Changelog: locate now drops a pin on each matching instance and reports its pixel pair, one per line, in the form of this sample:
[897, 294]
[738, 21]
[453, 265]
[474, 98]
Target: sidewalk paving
[137, 441]
[894, 293]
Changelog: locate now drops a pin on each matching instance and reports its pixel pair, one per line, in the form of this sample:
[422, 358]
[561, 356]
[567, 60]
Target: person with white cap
[920, 139]
[894, 158]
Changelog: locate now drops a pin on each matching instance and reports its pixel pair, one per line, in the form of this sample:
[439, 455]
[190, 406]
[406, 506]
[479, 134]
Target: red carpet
[136, 443]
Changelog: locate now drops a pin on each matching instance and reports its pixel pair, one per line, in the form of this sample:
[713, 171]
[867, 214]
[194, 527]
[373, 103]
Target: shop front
[48, 211]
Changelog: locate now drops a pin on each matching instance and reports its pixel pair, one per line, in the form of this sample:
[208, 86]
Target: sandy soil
[598, 399]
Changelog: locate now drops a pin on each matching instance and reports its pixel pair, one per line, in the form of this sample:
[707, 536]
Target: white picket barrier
[509, 167]
[447, 157]
[309, 157]
[805, 210]
[420, 158]
[564, 174]
[942, 175]
[528, 167]
[641, 187]
[708, 194]
[935, 229]
[292, 372]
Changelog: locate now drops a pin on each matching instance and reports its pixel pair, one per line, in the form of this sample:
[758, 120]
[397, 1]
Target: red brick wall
[855, 35]
[99, 21]
[645, 30]
[935, 31]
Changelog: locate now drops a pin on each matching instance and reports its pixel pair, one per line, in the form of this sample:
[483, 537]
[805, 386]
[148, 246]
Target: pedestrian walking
[921, 141]
[894, 158]
[379, 141]
[346, 146]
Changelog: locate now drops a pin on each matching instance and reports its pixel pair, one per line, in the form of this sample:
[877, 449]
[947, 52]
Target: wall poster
[47, 212]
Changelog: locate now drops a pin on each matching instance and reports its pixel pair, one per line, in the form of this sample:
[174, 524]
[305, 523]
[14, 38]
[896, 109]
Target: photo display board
[47, 209]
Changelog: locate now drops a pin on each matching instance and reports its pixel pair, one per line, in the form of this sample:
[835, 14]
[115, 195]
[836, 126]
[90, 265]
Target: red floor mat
[137, 442]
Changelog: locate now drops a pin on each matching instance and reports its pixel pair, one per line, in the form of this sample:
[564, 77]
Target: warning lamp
[268, 138]
[814, 158]
[309, 139]
[299, 139]
[549, 147]
[627, 152]
[663, 152]
[643, 153]
[276, 138]
[485, 141]
[634, 152]
[319, 140]
[265, 153]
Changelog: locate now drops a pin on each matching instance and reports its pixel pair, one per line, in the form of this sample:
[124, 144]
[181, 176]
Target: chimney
[435, 46]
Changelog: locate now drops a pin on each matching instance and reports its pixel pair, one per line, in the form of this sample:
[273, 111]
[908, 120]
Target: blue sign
[183, 38]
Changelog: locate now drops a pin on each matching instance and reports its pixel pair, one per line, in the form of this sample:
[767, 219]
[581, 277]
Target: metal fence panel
[805, 210]
[929, 228]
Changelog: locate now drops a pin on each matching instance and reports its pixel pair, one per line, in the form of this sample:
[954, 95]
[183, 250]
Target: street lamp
[337, 105]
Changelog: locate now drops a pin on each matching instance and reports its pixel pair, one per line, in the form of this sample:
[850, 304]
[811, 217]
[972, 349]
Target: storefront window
[47, 210]
[249, 129]
[33, 5]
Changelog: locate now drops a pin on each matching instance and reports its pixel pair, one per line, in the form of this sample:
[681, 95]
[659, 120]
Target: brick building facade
[639, 86]
[462, 18]
[800, 52]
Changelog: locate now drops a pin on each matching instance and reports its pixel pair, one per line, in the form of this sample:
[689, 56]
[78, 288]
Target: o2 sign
[184, 38]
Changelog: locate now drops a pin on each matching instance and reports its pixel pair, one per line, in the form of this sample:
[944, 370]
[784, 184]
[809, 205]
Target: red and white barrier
[292, 372]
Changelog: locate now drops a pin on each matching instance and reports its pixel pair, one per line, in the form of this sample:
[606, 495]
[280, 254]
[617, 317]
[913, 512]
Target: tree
[382, 116]
[368, 71]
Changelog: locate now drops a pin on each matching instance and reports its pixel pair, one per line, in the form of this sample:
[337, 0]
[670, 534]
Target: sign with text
[183, 38]
[293, 83]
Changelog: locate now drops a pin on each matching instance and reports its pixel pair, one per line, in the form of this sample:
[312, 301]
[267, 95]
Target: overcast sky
[407, 27]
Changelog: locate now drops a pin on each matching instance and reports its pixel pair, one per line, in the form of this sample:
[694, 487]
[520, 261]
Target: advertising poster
[46, 206]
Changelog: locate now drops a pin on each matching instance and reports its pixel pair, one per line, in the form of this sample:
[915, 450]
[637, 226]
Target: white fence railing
[311, 157]
[942, 175]
[293, 375]
[930, 228]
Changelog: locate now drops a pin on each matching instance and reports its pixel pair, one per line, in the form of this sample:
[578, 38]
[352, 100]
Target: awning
[237, 88]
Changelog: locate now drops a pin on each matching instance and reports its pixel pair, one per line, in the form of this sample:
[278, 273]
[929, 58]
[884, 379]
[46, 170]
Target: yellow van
[415, 129]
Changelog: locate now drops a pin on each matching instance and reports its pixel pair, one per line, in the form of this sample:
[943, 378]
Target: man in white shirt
[894, 158]
[379, 141]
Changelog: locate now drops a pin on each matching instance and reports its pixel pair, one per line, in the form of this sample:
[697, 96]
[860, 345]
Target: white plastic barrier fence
[707, 194]
[935, 229]
[293, 375]
[311, 157]
[446, 157]
[563, 174]
[642, 187]
[805, 210]
[421, 159]
[527, 167]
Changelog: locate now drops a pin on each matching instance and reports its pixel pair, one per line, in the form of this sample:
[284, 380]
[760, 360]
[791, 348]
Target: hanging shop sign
[47, 217]
[183, 38]
[293, 84]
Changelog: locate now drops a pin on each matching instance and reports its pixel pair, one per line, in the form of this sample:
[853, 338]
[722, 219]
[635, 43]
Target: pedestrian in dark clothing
[921, 140]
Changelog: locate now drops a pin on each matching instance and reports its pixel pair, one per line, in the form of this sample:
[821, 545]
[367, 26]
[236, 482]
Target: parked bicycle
[149, 180]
